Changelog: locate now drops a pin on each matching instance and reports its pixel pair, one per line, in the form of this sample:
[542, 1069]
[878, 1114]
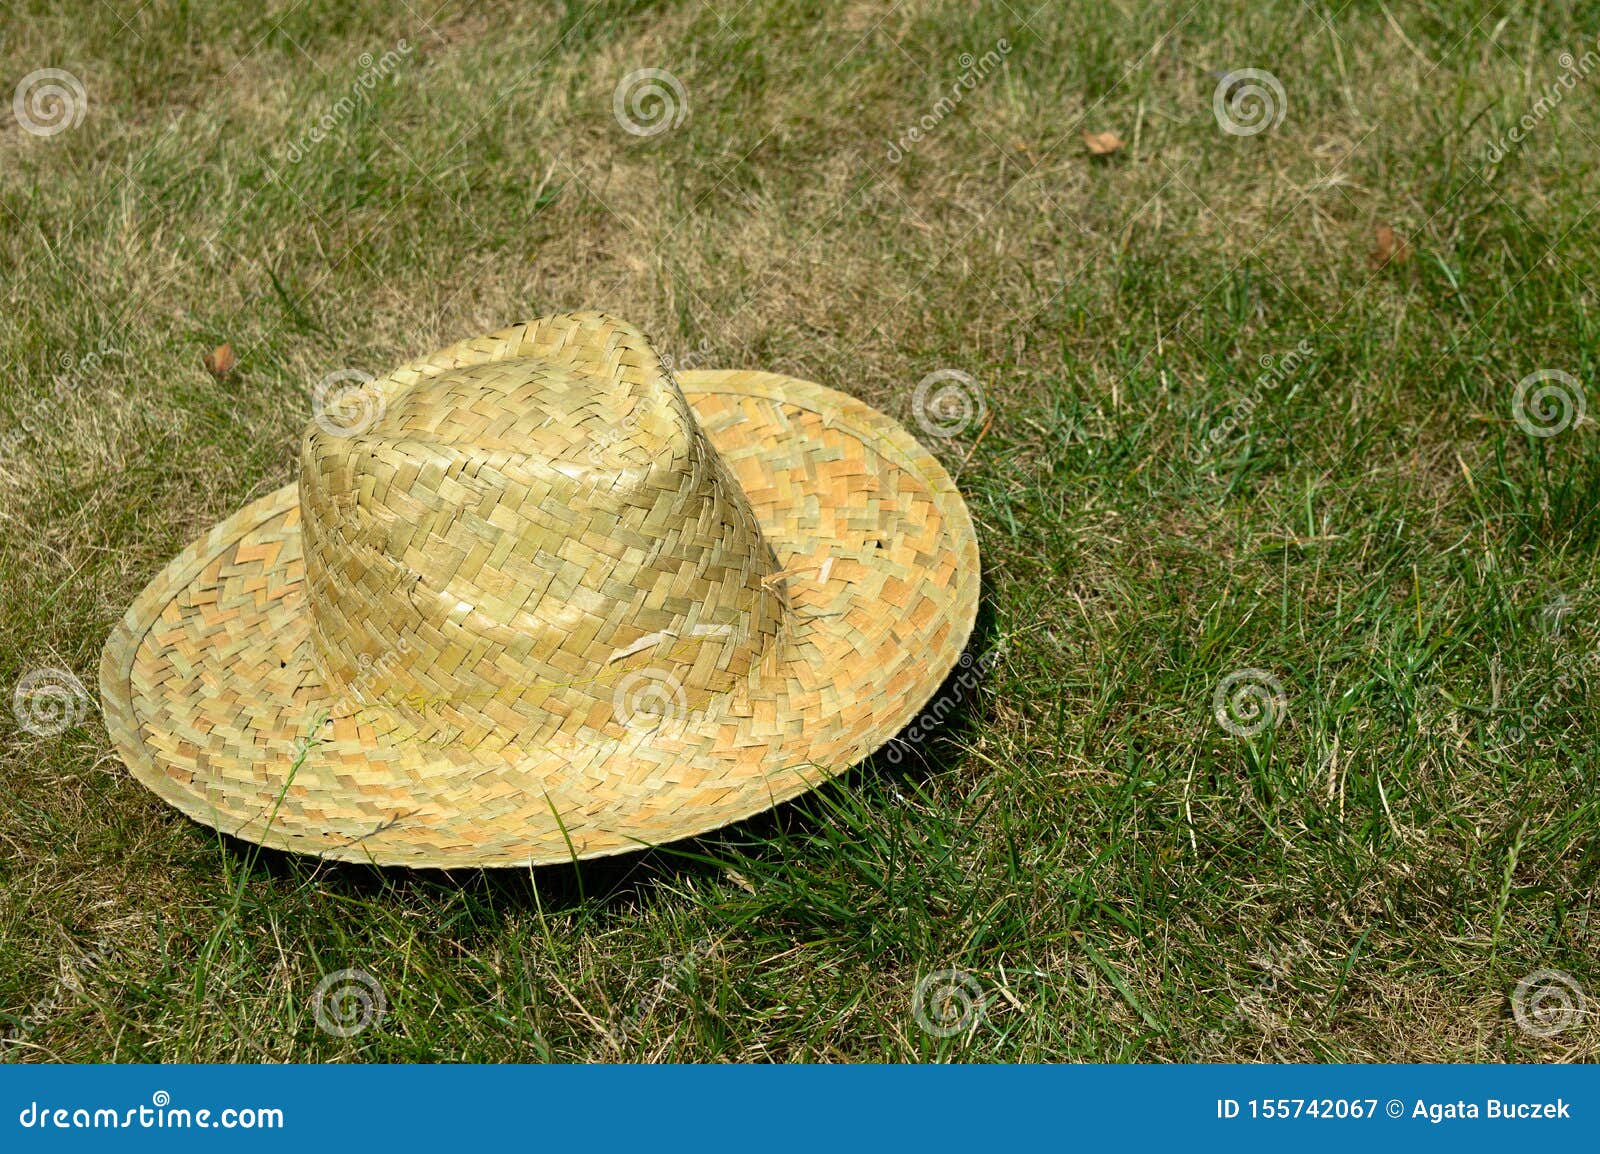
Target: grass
[1117, 875]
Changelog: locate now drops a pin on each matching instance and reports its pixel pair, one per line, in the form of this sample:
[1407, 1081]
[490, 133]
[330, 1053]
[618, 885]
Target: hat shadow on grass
[929, 746]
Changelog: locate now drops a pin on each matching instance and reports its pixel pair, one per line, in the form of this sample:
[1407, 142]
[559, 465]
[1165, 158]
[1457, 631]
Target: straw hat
[547, 600]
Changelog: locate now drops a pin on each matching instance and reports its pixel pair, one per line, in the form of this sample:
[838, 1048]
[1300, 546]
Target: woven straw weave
[552, 603]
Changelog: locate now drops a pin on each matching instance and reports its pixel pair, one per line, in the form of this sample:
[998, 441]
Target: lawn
[1270, 327]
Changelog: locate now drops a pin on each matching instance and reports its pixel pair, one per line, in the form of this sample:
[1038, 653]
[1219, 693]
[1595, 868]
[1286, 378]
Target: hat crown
[531, 531]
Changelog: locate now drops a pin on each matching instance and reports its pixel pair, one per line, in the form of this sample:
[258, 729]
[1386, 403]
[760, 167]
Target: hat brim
[210, 691]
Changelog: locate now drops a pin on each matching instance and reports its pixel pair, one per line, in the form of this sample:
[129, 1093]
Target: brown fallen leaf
[220, 361]
[1102, 143]
[1389, 246]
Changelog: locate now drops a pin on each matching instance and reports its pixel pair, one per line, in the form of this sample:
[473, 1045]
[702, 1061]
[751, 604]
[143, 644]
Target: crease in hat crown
[541, 534]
